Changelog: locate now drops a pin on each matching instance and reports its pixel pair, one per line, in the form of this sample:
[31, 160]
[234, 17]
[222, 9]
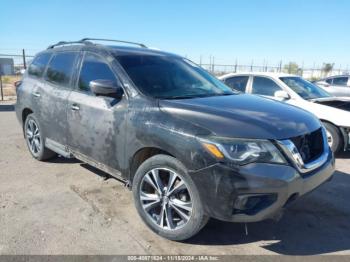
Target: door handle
[75, 107]
[36, 94]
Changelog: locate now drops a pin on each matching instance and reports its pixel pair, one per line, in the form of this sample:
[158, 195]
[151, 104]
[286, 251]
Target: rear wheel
[35, 139]
[167, 199]
[333, 137]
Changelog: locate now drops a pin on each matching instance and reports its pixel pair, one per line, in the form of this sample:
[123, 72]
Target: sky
[308, 32]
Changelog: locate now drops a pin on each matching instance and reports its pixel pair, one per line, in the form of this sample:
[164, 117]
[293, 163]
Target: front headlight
[243, 151]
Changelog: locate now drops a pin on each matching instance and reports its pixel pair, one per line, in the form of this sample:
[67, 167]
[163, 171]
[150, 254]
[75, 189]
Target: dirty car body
[206, 132]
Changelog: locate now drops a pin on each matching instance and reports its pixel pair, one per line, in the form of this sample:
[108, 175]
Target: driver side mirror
[281, 95]
[323, 83]
[102, 87]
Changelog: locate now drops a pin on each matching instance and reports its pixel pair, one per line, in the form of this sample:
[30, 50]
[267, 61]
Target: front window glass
[264, 86]
[304, 88]
[237, 82]
[94, 68]
[168, 77]
[329, 80]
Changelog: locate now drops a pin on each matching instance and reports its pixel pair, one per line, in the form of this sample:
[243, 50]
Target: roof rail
[112, 40]
[69, 42]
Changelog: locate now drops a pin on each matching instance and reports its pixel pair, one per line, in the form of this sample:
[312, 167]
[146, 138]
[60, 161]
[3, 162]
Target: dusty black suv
[188, 146]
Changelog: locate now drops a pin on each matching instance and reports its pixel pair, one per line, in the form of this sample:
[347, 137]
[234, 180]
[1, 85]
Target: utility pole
[24, 59]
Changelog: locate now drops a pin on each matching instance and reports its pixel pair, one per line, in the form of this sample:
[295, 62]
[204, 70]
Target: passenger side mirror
[281, 95]
[101, 87]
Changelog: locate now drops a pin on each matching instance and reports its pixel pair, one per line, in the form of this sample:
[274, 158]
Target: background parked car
[336, 85]
[334, 112]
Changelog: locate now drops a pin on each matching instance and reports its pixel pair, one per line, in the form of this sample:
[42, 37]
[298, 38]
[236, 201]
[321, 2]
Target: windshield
[304, 88]
[168, 77]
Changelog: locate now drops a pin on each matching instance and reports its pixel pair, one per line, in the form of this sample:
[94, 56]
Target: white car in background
[336, 85]
[334, 112]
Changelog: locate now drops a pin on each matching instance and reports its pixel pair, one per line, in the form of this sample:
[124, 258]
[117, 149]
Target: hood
[336, 102]
[243, 116]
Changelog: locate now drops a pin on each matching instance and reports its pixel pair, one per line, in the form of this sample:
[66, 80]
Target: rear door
[96, 123]
[32, 83]
[52, 95]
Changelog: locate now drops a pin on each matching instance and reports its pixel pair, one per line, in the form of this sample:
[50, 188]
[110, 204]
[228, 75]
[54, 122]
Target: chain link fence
[12, 66]
[307, 73]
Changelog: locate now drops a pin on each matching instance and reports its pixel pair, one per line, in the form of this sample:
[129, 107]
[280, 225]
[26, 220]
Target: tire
[333, 136]
[177, 224]
[36, 139]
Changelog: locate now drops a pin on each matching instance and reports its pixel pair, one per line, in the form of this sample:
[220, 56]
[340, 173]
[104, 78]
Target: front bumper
[221, 187]
[345, 131]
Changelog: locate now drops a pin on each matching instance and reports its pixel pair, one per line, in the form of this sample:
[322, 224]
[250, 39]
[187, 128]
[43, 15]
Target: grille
[310, 146]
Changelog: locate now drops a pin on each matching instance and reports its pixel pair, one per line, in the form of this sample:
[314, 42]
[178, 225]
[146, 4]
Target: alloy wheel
[329, 138]
[33, 137]
[166, 198]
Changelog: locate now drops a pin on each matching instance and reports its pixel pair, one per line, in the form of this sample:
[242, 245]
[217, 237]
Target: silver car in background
[336, 85]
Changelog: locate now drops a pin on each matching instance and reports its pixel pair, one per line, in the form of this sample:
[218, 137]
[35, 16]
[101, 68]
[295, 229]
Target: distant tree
[292, 68]
[327, 68]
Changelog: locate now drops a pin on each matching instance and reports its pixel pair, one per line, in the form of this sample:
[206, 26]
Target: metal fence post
[2, 94]
[24, 59]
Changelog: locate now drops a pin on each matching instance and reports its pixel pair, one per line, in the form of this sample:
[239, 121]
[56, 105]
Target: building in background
[7, 66]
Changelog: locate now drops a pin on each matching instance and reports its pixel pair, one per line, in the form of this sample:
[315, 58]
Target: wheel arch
[141, 156]
[25, 112]
[342, 134]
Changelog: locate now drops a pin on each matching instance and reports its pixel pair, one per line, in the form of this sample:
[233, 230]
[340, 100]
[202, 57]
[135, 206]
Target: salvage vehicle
[334, 112]
[336, 85]
[187, 146]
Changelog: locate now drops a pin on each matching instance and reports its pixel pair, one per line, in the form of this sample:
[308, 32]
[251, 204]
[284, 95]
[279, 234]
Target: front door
[96, 123]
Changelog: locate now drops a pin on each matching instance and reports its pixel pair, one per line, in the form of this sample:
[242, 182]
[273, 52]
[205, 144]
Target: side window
[340, 81]
[329, 80]
[264, 86]
[237, 82]
[61, 67]
[94, 68]
[37, 67]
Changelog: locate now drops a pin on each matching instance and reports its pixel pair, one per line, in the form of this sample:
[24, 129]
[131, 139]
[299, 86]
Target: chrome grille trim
[293, 154]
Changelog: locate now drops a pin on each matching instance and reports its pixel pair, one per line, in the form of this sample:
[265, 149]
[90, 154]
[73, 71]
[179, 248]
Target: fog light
[253, 203]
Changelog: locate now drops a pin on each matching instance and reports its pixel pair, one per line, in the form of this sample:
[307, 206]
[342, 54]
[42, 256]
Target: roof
[118, 50]
[126, 50]
[270, 74]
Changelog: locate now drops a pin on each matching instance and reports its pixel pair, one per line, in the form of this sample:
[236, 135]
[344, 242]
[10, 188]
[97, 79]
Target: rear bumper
[256, 191]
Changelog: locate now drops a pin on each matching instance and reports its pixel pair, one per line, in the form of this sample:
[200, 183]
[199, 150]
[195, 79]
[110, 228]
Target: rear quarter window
[37, 67]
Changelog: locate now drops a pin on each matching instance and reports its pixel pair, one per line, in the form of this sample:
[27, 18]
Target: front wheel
[167, 199]
[333, 137]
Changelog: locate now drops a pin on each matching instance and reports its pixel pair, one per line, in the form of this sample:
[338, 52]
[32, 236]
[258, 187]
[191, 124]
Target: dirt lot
[67, 207]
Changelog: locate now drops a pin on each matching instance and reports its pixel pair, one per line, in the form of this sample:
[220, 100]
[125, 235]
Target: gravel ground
[67, 207]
